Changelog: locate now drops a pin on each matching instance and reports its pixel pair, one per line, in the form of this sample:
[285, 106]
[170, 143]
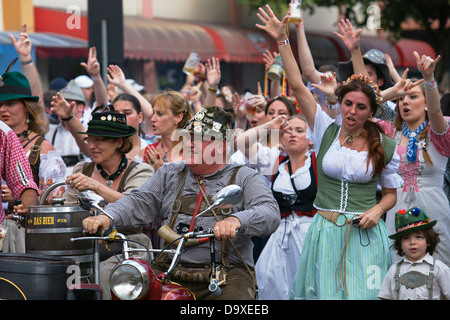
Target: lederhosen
[414, 279]
[302, 202]
[186, 205]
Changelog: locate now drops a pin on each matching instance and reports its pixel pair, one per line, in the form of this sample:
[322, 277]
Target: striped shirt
[258, 211]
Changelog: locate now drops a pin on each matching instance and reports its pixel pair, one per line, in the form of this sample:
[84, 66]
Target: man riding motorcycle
[177, 192]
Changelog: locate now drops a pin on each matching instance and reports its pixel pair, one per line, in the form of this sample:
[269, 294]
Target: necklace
[350, 137]
[109, 178]
[23, 136]
[164, 158]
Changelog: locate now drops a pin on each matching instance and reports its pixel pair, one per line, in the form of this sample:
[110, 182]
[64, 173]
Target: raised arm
[64, 111]
[306, 59]
[23, 48]
[247, 141]
[277, 30]
[93, 69]
[117, 77]
[401, 87]
[426, 66]
[351, 40]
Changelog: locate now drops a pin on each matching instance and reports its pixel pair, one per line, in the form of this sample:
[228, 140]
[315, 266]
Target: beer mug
[276, 70]
[191, 63]
[296, 12]
[250, 108]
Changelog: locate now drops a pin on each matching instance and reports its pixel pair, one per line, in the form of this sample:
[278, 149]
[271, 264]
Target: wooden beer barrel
[49, 230]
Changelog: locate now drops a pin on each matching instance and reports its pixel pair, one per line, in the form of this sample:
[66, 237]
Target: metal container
[49, 229]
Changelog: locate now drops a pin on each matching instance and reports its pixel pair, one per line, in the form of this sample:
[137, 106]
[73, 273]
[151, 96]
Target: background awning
[175, 40]
[234, 44]
[51, 44]
[165, 40]
[406, 47]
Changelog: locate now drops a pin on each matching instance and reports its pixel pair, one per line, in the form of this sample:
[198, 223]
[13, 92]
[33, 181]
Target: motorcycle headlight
[129, 280]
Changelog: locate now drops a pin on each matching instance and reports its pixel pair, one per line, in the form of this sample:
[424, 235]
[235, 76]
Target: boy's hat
[14, 85]
[413, 220]
[210, 121]
[373, 56]
[109, 124]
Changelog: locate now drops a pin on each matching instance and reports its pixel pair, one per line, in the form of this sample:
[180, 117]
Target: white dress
[278, 262]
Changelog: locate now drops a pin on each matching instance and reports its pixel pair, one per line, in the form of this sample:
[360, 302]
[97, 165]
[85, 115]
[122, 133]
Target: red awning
[165, 40]
[406, 47]
[234, 44]
[175, 40]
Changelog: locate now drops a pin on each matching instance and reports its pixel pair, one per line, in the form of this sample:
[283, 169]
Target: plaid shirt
[258, 212]
[14, 166]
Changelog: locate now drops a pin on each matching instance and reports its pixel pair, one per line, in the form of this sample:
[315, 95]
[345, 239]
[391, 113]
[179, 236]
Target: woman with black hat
[110, 174]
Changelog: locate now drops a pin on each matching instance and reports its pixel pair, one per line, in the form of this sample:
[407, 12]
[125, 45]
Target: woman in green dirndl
[347, 250]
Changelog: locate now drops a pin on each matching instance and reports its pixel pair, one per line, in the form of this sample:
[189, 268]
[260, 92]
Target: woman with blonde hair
[423, 143]
[171, 111]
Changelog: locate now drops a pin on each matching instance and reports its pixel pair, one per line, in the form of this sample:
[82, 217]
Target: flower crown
[364, 78]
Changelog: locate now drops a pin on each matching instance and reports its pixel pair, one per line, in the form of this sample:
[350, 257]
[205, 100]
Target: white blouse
[350, 165]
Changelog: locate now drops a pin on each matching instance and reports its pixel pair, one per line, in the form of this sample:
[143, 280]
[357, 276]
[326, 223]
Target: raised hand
[426, 65]
[23, 45]
[258, 100]
[269, 58]
[349, 37]
[115, 75]
[61, 107]
[213, 73]
[92, 66]
[275, 28]
[327, 85]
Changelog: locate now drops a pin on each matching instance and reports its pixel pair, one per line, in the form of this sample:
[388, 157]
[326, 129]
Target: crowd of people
[342, 169]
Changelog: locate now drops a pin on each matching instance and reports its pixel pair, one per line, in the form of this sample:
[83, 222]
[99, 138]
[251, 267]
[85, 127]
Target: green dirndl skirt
[325, 273]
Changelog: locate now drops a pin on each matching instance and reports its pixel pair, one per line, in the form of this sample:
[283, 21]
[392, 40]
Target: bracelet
[333, 106]
[283, 43]
[24, 63]
[212, 90]
[68, 118]
[95, 78]
[430, 85]
[300, 25]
